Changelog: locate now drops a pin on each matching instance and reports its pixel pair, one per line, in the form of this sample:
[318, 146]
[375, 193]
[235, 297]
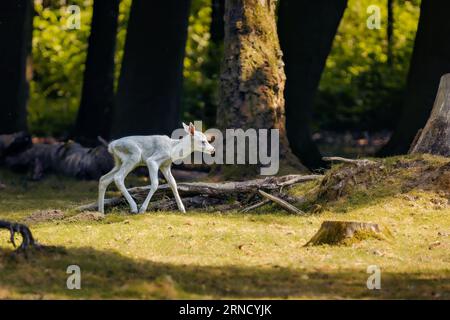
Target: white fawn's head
[199, 141]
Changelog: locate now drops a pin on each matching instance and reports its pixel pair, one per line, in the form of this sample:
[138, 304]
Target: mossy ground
[228, 255]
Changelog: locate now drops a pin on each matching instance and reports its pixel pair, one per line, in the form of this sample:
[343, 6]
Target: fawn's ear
[186, 127]
[191, 129]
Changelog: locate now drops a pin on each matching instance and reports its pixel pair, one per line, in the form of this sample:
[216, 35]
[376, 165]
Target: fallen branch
[18, 153]
[255, 206]
[211, 190]
[352, 161]
[285, 205]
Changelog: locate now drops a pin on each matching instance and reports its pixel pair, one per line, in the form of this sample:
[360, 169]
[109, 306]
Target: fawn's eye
[203, 142]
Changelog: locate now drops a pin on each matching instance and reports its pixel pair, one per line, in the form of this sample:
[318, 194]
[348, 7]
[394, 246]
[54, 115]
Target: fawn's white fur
[155, 152]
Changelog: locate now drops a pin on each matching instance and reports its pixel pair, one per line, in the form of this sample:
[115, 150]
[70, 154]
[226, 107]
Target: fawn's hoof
[142, 210]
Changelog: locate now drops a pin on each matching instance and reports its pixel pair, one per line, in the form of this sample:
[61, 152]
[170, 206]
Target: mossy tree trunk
[16, 23]
[430, 60]
[94, 114]
[307, 29]
[435, 136]
[252, 78]
[150, 83]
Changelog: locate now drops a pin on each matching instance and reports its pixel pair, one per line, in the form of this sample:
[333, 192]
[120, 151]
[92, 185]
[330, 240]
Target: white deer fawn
[155, 152]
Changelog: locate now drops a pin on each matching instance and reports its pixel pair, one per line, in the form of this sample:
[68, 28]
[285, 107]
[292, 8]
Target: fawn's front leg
[153, 174]
[173, 185]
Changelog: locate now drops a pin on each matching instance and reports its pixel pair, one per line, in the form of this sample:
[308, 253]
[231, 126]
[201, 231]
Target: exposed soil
[44, 216]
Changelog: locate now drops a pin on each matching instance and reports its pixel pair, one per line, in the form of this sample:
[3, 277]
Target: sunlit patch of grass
[224, 255]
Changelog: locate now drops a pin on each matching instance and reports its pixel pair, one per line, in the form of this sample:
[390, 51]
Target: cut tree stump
[347, 232]
[435, 136]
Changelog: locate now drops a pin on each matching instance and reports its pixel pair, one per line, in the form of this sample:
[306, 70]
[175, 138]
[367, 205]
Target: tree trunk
[16, 26]
[94, 115]
[435, 136]
[252, 79]
[430, 60]
[306, 29]
[215, 52]
[217, 27]
[150, 84]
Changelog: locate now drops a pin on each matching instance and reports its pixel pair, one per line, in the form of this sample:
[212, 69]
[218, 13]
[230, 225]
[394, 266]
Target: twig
[298, 178]
[285, 205]
[255, 206]
[352, 161]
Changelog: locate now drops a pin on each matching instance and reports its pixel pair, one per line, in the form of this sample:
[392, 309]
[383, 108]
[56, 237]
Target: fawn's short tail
[110, 146]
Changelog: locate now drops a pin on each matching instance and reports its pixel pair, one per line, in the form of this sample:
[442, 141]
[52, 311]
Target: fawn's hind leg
[104, 182]
[130, 156]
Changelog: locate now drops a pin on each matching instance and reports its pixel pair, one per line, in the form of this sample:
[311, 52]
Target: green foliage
[58, 64]
[359, 88]
[59, 56]
[201, 64]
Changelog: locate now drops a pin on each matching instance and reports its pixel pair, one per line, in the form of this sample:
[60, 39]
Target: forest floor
[231, 255]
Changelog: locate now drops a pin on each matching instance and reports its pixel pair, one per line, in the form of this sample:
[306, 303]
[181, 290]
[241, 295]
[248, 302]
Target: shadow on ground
[108, 274]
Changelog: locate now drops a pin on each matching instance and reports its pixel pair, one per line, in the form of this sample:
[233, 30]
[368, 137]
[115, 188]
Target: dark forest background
[347, 85]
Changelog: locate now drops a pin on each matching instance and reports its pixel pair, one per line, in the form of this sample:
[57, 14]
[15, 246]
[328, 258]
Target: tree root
[27, 237]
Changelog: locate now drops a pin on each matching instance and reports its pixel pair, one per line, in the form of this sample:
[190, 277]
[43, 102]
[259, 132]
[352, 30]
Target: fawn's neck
[181, 148]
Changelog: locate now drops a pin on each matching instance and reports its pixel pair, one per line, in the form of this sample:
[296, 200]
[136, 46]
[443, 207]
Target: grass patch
[228, 255]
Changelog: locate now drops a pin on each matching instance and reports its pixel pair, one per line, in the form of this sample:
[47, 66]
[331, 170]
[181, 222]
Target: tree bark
[94, 115]
[150, 83]
[306, 30]
[430, 60]
[435, 136]
[252, 79]
[215, 53]
[16, 24]
[217, 27]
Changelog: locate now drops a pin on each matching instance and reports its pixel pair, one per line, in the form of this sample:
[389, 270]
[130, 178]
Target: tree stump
[347, 232]
[435, 136]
